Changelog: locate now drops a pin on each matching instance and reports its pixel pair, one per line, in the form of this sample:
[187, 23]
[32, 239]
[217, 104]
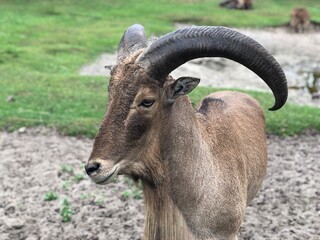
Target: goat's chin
[106, 176]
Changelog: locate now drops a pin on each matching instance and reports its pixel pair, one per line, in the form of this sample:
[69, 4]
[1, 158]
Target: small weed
[140, 184]
[50, 196]
[126, 194]
[66, 211]
[78, 177]
[137, 193]
[129, 181]
[84, 196]
[93, 199]
[82, 165]
[99, 202]
[67, 169]
[135, 189]
[66, 185]
[132, 183]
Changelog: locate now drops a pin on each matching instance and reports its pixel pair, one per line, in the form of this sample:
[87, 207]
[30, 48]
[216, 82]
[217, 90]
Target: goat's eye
[146, 103]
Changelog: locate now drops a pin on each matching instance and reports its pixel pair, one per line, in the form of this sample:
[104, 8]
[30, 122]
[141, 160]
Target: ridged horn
[178, 47]
[133, 39]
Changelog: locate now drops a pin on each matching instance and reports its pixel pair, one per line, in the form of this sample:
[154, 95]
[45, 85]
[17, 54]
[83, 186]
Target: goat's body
[300, 19]
[238, 4]
[237, 113]
[244, 4]
[222, 186]
[199, 167]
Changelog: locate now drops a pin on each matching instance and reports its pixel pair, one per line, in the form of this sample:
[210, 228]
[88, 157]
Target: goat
[199, 167]
[300, 19]
[238, 4]
[244, 4]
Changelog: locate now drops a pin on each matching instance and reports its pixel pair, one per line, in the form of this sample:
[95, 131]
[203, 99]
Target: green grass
[73, 104]
[44, 43]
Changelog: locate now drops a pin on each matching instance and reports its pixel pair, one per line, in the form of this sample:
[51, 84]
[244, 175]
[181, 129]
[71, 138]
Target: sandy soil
[37, 161]
[32, 163]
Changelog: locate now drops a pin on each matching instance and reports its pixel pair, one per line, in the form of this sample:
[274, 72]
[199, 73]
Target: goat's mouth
[103, 177]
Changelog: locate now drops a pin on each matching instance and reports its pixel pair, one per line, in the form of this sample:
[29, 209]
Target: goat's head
[141, 93]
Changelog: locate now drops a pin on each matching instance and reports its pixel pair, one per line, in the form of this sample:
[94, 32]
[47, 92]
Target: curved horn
[176, 48]
[133, 39]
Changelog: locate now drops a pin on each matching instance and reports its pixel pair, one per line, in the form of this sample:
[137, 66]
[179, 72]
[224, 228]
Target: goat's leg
[306, 25]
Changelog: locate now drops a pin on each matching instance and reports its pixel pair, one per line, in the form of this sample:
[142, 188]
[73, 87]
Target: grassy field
[43, 44]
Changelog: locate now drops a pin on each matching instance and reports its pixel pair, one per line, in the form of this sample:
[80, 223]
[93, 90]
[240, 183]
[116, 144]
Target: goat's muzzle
[102, 171]
[91, 168]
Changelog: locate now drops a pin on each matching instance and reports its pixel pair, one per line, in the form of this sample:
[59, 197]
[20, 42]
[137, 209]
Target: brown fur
[199, 167]
[238, 4]
[300, 19]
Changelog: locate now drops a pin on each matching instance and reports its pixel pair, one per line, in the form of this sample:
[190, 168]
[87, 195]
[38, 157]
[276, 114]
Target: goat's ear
[180, 87]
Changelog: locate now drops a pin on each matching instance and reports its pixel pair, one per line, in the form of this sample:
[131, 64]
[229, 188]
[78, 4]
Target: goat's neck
[163, 219]
[188, 163]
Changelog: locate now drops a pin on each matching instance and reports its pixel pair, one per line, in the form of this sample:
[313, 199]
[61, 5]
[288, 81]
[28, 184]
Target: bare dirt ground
[32, 163]
[37, 161]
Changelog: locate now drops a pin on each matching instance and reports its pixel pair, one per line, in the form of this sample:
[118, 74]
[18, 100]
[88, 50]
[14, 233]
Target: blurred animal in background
[245, 4]
[300, 20]
[237, 4]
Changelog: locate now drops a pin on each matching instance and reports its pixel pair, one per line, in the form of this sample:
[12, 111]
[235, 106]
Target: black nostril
[92, 167]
